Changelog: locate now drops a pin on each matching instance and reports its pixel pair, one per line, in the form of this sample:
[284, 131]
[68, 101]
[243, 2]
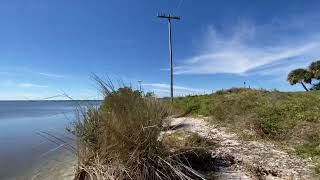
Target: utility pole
[140, 87]
[169, 17]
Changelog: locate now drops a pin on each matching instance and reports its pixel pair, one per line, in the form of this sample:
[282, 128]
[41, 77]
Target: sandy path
[254, 160]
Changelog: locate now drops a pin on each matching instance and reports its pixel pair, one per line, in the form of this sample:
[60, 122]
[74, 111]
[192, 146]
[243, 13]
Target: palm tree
[300, 76]
[314, 68]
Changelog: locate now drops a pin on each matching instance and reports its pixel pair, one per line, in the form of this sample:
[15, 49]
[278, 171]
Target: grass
[119, 139]
[186, 140]
[291, 118]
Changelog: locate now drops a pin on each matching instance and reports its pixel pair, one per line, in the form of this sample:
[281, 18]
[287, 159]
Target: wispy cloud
[31, 85]
[162, 89]
[5, 73]
[51, 75]
[247, 47]
[25, 71]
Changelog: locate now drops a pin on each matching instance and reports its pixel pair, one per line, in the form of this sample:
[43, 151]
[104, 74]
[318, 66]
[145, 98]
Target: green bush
[273, 115]
[287, 118]
[311, 144]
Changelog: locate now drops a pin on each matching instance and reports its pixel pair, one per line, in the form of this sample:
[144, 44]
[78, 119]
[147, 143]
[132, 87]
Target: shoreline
[61, 166]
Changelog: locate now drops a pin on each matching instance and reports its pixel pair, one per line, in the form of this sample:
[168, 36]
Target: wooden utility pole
[170, 49]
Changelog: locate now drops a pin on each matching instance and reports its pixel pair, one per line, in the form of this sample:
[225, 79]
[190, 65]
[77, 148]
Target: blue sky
[52, 47]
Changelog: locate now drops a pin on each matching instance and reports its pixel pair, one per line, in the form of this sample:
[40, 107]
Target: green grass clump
[272, 115]
[291, 118]
[119, 140]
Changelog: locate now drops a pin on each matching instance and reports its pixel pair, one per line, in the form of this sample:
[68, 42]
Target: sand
[254, 159]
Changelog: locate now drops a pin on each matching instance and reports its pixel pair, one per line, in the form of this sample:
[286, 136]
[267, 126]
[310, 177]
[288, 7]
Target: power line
[169, 17]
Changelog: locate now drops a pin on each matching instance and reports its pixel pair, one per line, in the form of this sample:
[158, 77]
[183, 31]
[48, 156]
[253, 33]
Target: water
[22, 149]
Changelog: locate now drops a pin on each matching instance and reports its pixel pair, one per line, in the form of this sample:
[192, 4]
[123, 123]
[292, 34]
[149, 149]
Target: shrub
[271, 114]
[119, 140]
[287, 118]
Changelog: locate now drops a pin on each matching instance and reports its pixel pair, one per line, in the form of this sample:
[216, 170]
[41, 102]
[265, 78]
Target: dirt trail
[245, 159]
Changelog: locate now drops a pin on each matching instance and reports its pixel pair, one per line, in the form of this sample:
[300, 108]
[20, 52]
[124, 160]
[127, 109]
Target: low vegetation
[120, 139]
[286, 118]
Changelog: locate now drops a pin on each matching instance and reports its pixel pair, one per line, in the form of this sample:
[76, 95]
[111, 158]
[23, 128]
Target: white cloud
[248, 47]
[51, 75]
[30, 85]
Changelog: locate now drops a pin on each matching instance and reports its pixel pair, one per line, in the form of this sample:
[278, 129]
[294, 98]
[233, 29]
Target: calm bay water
[22, 149]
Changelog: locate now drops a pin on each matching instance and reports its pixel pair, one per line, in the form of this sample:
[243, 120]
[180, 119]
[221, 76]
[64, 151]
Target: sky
[49, 49]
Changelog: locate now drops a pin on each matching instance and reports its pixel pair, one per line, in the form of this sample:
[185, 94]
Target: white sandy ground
[250, 156]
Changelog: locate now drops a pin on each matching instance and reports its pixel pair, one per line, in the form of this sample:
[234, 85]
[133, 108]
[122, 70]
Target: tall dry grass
[119, 139]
